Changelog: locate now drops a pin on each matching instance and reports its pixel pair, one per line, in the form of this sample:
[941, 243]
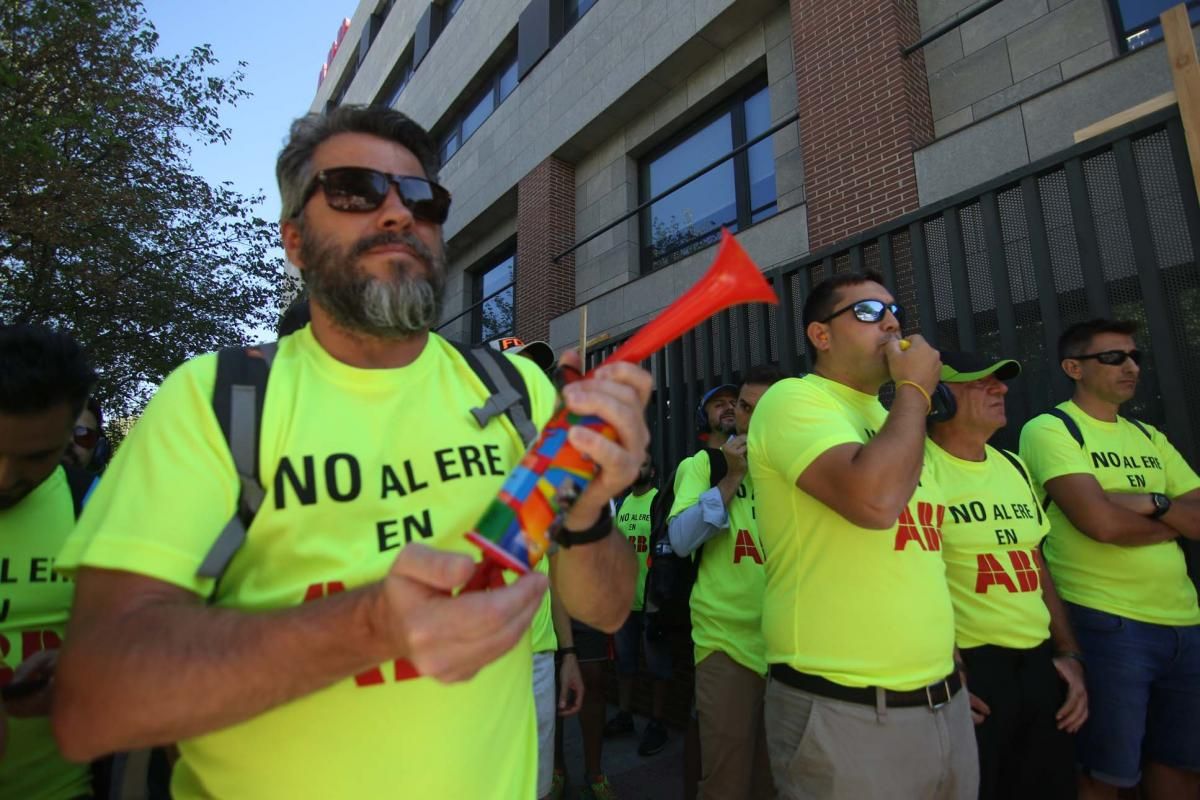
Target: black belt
[933, 696]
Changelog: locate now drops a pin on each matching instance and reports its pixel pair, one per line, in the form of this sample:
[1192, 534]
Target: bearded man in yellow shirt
[1020, 656]
[278, 680]
[1119, 496]
[716, 526]
[863, 701]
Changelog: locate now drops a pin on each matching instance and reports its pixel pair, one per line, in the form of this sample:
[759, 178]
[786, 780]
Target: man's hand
[449, 638]
[570, 686]
[920, 363]
[38, 667]
[1074, 711]
[979, 709]
[735, 454]
[617, 393]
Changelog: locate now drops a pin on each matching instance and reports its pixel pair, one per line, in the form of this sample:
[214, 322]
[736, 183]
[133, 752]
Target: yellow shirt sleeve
[800, 424]
[1181, 478]
[692, 479]
[1038, 494]
[1049, 450]
[170, 490]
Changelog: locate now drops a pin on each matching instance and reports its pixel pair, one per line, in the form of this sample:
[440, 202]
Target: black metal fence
[1108, 228]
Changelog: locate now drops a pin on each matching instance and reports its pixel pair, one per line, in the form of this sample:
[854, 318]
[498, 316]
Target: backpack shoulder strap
[1071, 425]
[1137, 424]
[509, 394]
[718, 467]
[238, 394]
[80, 484]
[1016, 462]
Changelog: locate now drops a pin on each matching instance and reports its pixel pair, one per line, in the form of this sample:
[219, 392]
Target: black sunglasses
[870, 311]
[359, 189]
[1113, 358]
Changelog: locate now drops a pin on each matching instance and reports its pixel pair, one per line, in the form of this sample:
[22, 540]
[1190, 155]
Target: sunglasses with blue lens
[870, 311]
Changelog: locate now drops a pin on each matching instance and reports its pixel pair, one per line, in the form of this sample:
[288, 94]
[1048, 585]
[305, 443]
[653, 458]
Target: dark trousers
[1022, 753]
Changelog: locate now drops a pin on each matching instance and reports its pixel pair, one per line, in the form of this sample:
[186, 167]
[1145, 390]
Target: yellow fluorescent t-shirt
[1147, 583]
[356, 464]
[990, 540]
[34, 601]
[856, 606]
[633, 520]
[727, 598]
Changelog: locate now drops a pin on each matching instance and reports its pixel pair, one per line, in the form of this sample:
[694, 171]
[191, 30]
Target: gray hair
[293, 168]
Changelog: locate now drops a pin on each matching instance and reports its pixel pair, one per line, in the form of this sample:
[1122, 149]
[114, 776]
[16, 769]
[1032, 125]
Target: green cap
[965, 367]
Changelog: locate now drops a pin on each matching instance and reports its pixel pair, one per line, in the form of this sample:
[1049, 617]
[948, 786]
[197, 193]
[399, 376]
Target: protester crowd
[260, 596]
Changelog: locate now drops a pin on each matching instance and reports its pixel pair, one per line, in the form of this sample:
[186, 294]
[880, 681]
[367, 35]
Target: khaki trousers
[733, 747]
[834, 750]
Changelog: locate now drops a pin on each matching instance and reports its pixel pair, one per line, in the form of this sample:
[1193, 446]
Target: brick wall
[545, 227]
[863, 109]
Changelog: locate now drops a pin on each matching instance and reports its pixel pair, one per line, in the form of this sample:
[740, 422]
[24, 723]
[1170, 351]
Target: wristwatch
[1162, 504]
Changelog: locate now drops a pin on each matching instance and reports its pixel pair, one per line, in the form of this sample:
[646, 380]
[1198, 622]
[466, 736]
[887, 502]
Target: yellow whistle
[905, 344]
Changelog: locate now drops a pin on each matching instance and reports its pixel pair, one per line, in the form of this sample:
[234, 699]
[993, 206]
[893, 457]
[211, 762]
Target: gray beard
[357, 302]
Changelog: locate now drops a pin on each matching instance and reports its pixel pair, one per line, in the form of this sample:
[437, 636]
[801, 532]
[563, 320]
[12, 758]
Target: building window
[389, 94]
[573, 10]
[449, 10]
[735, 194]
[1137, 20]
[499, 85]
[493, 293]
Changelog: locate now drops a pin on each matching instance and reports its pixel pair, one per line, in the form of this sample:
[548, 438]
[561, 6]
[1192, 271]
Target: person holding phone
[44, 381]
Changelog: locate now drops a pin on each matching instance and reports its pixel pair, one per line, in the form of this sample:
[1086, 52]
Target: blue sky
[284, 43]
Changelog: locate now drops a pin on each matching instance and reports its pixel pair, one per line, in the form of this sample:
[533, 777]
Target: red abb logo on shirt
[744, 547]
[926, 530]
[31, 642]
[991, 572]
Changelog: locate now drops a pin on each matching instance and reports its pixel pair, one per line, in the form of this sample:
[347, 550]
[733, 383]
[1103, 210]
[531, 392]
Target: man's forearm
[1118, 521]
[1061, 633]
[728, 486]
[888, 467]
[595, 582]
[560, 618]
[1184, 517]
[175, 669]
[695, 525]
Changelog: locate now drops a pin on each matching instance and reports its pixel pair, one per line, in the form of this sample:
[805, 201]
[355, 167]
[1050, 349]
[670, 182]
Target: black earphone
[943, 406]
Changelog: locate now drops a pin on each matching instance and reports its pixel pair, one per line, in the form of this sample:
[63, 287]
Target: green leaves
[104, 229]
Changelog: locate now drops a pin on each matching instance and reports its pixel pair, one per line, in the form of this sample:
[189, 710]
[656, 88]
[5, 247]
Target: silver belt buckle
[929, 696]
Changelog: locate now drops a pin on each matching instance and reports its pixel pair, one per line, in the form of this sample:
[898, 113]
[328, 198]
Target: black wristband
[568, 651]
[600, 529]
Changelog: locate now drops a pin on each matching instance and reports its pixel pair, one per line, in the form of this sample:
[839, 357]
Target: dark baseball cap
[958, 367]
[713, 392]
[538, 352]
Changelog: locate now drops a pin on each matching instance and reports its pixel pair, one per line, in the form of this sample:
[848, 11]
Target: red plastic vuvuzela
[514, 531]
[732, 279]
